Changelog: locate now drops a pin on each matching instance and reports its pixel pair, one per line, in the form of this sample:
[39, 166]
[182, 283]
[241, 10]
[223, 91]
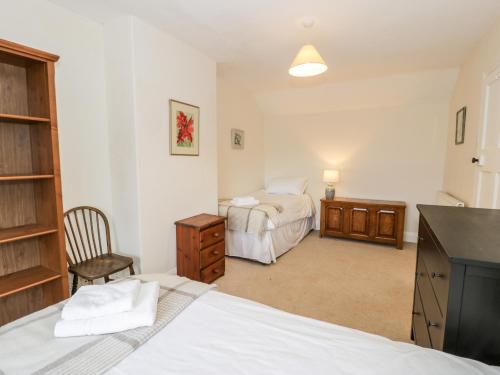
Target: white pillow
[287, 185]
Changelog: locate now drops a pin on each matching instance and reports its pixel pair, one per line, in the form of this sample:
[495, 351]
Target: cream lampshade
[307, 63]
[330, 176]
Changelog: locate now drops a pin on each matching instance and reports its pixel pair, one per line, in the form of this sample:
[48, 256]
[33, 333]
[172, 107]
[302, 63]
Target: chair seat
[101, 266]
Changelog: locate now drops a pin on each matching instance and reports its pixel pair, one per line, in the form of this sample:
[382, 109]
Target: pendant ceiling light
[307, 63]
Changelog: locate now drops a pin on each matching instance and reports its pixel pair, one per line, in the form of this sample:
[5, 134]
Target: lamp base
[330, 193]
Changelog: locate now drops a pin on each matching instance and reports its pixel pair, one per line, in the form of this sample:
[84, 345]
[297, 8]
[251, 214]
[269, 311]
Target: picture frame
[460, 126]
[184, 128]
[237, 139]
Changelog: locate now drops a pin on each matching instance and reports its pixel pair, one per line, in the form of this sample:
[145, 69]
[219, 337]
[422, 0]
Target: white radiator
[445, 199]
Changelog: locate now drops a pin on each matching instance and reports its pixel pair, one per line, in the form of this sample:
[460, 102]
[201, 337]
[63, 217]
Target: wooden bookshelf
[33, 271]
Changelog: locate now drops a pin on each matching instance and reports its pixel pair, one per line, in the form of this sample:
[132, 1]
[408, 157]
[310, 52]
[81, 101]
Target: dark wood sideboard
[201, 247]
[457, 282]
[363, 219]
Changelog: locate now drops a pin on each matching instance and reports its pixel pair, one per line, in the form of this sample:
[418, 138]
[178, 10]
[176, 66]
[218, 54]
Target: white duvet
[295, 207]
[221, 334]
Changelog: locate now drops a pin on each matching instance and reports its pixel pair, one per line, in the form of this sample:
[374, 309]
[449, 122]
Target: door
[487, 189]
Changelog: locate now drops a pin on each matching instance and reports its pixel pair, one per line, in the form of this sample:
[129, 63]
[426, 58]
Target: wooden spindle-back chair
[88, 246]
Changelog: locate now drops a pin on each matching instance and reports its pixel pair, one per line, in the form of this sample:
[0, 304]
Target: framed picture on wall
[184, 128]
[460, 126]
[237, 139]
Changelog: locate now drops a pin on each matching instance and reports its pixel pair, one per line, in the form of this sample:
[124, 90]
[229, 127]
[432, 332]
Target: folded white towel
[142, 314]
[244, 201]
[91, 301]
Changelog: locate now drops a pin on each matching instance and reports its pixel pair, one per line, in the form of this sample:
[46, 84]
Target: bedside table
[201, 247]
[363, 219]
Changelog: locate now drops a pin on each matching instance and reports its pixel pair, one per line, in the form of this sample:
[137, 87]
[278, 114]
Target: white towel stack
[101, 309]
[245, 201]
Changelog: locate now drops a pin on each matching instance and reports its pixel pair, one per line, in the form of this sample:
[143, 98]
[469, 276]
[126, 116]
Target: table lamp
[330, 176]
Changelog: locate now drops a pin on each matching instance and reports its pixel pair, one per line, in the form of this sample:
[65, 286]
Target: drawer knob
[430, 323]
[215, 252]
[216, 234]
[216, 270]
[437, 275]
[415, 313]
[421, 239]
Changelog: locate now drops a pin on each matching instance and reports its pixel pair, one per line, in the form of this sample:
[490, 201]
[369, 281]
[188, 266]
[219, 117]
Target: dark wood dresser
[201, 247]
[457, 284]
[363, 219]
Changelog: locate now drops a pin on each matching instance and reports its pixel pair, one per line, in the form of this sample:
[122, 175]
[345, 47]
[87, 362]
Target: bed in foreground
[221, 334]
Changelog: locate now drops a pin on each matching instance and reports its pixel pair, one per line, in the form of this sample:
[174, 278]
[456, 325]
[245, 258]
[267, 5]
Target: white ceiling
[254, 41]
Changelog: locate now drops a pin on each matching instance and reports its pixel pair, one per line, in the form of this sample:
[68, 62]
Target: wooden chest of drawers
[363, 219]
[201, 247]
[457, 284]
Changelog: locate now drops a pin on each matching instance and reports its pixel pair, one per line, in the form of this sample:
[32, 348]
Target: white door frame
[487, 80]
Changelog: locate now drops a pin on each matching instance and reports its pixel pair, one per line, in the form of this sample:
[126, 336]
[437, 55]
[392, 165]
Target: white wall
[151, 188]
[122, 147]
[80, 93]
[171, 187]
[460, 172]
[240, 171]
[386, 136]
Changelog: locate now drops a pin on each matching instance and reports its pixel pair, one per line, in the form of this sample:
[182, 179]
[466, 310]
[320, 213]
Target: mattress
[221, 334]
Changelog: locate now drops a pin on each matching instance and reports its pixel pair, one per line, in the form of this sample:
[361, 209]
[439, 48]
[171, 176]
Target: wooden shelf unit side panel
[56, 181]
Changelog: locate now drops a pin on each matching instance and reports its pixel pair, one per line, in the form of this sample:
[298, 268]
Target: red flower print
[185, 129]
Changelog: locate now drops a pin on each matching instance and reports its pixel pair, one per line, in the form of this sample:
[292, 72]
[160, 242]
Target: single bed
[222, 334]
[281, 232]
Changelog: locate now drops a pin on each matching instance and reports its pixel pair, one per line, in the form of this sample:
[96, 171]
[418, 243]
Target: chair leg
[106, 279]
[131, 269]
[75, 284]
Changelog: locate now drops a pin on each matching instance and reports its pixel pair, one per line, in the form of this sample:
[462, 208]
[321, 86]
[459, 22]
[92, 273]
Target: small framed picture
[237, 139]
[184, 128]
[460, 126]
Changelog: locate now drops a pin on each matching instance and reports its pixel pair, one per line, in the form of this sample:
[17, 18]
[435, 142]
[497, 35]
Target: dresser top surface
[201, 221]
[467, 235]
[366, 201]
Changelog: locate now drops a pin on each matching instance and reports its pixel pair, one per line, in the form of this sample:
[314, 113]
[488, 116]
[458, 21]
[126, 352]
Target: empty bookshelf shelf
[24, 177]
[25, 231]
[23, 119]
[25, 279]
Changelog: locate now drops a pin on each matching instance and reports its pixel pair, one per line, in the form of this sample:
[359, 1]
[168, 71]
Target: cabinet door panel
[386, 224]
[334, 219]
[360, 222]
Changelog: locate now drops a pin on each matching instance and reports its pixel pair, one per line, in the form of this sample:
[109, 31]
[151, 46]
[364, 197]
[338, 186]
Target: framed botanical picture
[237, 139]
[184, 128]
[460, 126]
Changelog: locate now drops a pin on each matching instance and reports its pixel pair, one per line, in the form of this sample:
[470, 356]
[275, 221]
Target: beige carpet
[355, 284]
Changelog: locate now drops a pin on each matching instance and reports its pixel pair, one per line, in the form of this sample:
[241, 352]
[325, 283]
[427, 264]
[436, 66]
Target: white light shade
[307, 63]
[330, 176]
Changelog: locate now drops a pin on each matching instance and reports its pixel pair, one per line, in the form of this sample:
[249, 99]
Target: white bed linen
[295, 207]
[268, 246]
[221, 334]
